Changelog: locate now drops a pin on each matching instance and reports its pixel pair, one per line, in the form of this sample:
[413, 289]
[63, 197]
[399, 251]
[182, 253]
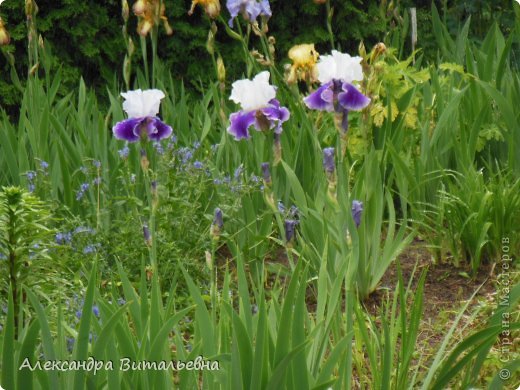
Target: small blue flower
[63, 238]
[123, 153]
[95, 310]
[172, 142]
[96, 181]
[44, 165]
[198, 165]
[70, 344]
[31, 175]
[84, 187]
[158, 147]
[90, 249]
[97, 163]
[84, 229]
[281, 207]
[238, 172]
[186, 154]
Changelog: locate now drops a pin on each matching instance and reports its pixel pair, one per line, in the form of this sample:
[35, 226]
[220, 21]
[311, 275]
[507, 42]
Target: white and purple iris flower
[250, 9]
[336, 74]
[142, 108]
[259, 107]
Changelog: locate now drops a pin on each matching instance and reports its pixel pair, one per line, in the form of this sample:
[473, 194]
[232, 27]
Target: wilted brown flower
[149, 15]
[211, 7]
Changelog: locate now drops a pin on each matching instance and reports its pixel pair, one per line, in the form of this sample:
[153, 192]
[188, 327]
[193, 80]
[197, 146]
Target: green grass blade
[29, 346]
[82, 342]
[48, 347]
[8, 378]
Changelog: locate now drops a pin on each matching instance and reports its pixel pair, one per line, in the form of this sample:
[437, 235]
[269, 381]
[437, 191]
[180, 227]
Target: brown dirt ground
[445, 286]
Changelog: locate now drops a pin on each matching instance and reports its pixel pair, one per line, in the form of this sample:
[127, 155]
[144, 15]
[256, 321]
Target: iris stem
[153, 38]
[329, 24]
[144, 53]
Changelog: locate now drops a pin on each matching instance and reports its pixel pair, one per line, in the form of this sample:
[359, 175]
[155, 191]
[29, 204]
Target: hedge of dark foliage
[86, 40]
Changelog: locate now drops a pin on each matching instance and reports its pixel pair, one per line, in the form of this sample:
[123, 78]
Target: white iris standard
[254, 94]
[140, 103]
[339, 66]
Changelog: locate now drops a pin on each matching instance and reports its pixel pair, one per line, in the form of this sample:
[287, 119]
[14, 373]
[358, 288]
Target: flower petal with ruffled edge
[127, 129]
[130, 129]
[251, 8]
[239, 123]
[233, 7]
[265, 8]
[321, 99]
[352, 99]
[139, 104]
[157, 130]
[339, 66]
[276, 115]
[253, 94]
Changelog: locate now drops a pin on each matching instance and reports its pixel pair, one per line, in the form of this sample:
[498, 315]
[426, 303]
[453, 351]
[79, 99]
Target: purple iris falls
[270, 117]
[250, 9]
[357, 210]
[133, 129]
[338, 96]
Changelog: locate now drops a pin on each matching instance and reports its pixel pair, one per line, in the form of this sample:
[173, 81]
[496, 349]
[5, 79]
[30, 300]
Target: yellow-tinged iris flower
[211, 7]
[4, 35]
[146, 10]
[304, 58]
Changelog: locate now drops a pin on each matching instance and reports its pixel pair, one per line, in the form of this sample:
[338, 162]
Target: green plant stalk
[144, 54]
[330, 12]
